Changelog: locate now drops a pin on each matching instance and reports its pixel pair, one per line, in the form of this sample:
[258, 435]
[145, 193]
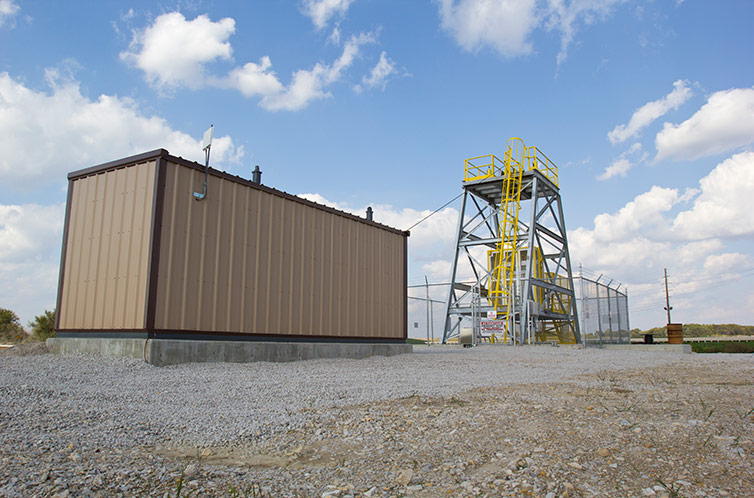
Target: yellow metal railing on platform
[488, 166]
[535, 159]
[478, 168]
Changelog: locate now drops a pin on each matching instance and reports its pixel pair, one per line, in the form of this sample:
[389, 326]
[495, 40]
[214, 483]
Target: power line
[434, 212]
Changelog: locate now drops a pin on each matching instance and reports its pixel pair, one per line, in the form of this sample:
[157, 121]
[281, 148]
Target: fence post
[599, 310]
[427, 283]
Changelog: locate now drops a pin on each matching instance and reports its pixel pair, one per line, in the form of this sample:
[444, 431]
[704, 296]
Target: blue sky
[646, 106]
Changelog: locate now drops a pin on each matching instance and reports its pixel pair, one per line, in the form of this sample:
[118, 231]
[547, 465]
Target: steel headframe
[542, 306]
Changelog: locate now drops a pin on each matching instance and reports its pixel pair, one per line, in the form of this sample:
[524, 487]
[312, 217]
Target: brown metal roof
[162, 153]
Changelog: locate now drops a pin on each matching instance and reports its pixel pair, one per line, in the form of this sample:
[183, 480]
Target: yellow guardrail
[535, 159]
[477, 168]
[488, 166]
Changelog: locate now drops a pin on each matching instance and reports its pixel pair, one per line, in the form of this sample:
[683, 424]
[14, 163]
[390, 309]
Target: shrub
[10, 327]
[723, 347]
[43, 326]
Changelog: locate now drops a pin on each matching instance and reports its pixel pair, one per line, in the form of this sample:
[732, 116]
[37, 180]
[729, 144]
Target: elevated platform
[163, 352]
[491, 189]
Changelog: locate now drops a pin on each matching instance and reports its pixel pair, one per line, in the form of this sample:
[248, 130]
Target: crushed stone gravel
[91, 425]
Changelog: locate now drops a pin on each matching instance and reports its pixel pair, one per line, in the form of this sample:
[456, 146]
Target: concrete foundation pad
[668, 348]
[162, 352]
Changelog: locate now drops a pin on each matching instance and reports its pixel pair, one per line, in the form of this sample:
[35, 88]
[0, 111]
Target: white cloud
[334, 37]
[658, 229]
[52, 133]
[649, 112]
[173, 52]
[723, 207]
[732, 261]
[724, 123]
[379, 74]
[504, 25]
[30, 242]
[623, 164]
[619, 167]
[309, 85]
[566, 18]
[253, 79]
[29, 229]
[8, 11]
[640, 217]
[321, 11]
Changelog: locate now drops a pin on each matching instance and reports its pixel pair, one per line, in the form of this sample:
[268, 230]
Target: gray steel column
[451, 293]
[563, 233]
[528, 291]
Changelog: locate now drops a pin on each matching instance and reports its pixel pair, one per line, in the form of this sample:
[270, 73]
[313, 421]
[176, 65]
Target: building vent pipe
[370, 214]
[256, 175]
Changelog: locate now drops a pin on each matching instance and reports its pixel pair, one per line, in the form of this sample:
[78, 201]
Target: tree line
[12, 332]
[700, 330]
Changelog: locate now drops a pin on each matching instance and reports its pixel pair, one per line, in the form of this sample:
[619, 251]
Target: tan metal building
[143, 259]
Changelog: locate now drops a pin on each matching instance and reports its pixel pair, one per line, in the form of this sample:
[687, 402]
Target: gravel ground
[443, 421]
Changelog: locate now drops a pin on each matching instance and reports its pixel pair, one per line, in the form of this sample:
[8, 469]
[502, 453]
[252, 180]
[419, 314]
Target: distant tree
[10, 327]
[43, 326]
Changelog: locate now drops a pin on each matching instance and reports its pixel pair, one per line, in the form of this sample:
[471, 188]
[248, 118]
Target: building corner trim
[63, 253]
[158, 201]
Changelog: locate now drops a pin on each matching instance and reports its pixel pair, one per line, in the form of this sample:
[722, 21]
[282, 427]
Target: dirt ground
[683, 431]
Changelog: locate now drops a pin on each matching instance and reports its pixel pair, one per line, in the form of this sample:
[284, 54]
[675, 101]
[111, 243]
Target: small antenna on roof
[206, 146]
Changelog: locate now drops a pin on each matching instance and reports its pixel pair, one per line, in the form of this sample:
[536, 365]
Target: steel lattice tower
[511, 255]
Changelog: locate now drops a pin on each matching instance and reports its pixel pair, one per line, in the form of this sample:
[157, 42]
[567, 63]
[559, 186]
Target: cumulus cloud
[686, 233]
[54, 132]
[567, 16]
[173, 51]
[623, 164]
[253, 79]
[724, 123]
[722, 208]
[639, 217]
[732, 261]
[651, 111]
[29, 229]
[379, 74]
[8, 11]
[309, 85]
[321, 11]
[30, 242]
[619, 167]
[504, 25]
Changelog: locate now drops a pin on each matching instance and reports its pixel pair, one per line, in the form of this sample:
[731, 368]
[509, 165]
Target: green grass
[723, 347]
[415, 341]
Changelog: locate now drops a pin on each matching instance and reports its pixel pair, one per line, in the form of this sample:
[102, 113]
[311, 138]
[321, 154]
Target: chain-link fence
[603, 312]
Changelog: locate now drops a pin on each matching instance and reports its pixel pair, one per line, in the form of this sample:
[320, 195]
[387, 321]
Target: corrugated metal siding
[247, 261]
[107, 255]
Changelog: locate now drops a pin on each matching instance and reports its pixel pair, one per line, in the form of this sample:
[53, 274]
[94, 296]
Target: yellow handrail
[535, 159]
[473, 170]
[489, 165]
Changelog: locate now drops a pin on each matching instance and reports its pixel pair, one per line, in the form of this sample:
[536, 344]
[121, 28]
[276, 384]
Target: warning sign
[489, 327]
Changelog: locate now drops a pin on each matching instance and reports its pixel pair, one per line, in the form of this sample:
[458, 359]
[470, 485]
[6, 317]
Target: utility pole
[428, 316]
[667, 296]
